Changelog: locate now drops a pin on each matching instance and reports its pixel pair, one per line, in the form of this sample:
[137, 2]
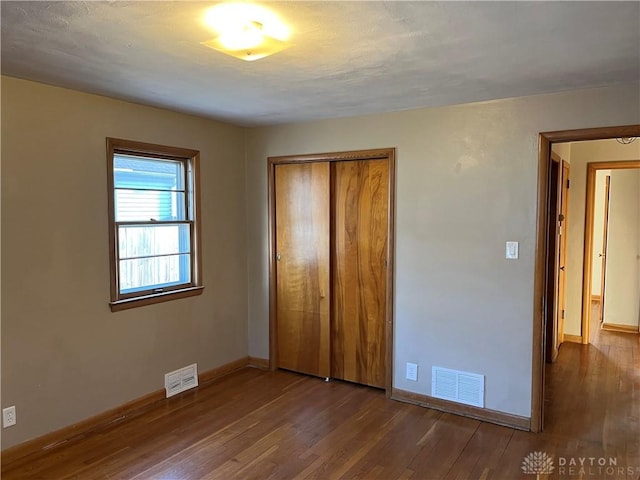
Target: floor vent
[457, 386]
[181, 380]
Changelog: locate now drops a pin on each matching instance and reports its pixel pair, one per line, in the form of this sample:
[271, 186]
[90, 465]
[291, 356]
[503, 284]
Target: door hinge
[562, 313]
[561, 218]
[568, 183]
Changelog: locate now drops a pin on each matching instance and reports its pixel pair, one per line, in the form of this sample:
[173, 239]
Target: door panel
[360, 228]
[302, 200]
[551, 313]
[562, 253]
[603, 254]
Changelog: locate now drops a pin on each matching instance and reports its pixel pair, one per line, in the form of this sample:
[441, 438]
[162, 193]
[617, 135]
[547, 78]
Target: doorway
[331, 222]
[612, 262]
[544, 276]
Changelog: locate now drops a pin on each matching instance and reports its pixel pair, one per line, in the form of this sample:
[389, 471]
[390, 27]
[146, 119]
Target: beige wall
[466, 183]
[65, 356]
[622, 287]
[581, 154]
[563, 150]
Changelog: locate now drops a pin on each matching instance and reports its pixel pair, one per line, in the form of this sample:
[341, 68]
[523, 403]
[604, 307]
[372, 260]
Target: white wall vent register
[181, 380]
[457, 386]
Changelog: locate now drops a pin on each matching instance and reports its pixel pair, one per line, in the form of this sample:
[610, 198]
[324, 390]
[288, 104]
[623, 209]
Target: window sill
[128, 303]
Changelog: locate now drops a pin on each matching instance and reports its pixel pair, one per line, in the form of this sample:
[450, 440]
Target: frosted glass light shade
[267, 47]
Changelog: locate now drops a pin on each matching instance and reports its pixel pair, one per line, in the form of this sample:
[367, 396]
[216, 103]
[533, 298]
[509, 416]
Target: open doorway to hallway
[588, 396]
[602, 236]
[546, 297]
[614, 286]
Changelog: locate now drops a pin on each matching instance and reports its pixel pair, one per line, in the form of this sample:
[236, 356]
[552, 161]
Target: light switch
[512, 250]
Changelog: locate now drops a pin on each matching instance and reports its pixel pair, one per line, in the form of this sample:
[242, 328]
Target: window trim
[191, 157]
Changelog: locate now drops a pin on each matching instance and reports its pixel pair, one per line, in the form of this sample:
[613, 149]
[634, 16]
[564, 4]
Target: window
[153, 218]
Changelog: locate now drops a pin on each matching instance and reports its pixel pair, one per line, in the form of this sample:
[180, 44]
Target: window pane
[145, 205]
[156, 272]
[151, 240]
[147, 173]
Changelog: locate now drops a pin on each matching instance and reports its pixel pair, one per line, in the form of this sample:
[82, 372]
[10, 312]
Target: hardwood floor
[255, 424]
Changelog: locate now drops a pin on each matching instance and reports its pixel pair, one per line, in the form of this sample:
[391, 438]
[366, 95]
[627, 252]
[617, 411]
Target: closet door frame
[375, 154]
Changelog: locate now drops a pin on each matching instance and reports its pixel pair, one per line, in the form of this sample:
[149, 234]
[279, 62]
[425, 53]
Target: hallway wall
[622, 288]
[581, 154]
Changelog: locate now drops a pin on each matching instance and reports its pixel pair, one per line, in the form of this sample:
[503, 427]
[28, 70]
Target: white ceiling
[348, 58]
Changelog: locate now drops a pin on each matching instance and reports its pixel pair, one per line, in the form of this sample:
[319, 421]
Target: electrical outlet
[412, 372]
[8, 416]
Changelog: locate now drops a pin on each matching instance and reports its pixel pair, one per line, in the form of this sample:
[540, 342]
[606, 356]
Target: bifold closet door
[302, 200]
[360, 205]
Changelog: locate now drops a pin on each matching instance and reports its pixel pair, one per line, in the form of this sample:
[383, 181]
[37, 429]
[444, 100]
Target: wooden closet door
[302, 194]
[360, 226]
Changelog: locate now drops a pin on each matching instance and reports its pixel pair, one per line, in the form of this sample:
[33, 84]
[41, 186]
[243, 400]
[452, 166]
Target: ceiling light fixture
[246, 31]
[626, 140]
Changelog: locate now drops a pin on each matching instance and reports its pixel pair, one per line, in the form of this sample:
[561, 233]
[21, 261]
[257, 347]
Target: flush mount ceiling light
[626, 140]
[246, 31]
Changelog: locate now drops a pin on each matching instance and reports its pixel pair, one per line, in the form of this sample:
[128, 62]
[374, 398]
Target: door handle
[278, 256]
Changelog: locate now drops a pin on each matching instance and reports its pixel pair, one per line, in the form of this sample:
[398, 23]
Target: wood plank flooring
[254, 424]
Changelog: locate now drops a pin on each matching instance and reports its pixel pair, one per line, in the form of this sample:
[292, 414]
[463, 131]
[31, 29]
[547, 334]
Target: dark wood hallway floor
[262, 425]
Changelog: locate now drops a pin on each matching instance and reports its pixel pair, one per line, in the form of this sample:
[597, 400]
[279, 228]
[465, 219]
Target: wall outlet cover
[412, 371]
[8, 416]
